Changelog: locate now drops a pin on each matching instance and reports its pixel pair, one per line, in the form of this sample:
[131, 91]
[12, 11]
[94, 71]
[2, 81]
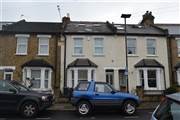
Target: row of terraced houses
[56, 56]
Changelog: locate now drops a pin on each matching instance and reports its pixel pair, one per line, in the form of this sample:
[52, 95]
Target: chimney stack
[148, 19]
[66, 19]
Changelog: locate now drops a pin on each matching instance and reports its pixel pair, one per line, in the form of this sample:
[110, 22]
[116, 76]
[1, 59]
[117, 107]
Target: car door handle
[97, 94]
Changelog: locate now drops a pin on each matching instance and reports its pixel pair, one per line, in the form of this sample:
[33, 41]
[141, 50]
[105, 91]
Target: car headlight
[44, 98]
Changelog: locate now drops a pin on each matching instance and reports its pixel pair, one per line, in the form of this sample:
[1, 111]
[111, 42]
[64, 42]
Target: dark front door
[8, 98]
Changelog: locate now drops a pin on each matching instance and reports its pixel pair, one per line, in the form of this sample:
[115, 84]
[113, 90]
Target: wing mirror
[13, 91]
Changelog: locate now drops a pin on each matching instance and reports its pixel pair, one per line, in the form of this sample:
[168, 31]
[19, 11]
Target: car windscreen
[82, 86]
[168, 110]
[19, 86]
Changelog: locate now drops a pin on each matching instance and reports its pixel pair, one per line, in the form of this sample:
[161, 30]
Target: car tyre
[84, 108]
[29, 109]
[129, 107]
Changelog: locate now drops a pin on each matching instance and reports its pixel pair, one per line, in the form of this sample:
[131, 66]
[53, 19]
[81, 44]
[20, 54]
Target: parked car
[169, 108]
[16, 97]
[90, 95]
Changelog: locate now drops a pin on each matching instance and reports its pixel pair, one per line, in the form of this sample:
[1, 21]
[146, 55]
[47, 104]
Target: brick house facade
[29, 50]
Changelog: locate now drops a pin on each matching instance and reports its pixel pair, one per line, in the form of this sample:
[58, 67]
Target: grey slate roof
[32, 27]
[173, 29]
[82, 63]
[83, 27]
[4, 23]
[136, 29]
[148, 63]
[37, 63]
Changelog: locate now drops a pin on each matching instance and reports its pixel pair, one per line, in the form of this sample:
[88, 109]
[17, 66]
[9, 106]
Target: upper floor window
[43, 45]
[178, 46]
[151, 46]
[98, 46]
[22, 44]
[131, 44]
[78, 46]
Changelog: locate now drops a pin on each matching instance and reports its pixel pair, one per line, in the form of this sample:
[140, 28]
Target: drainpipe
[65, 70]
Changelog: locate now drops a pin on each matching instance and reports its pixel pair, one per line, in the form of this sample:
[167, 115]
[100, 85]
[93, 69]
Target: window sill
[151, 55]
[43, 55]
[98, 55]
[21, 54]
[78, 55]
[132, 55]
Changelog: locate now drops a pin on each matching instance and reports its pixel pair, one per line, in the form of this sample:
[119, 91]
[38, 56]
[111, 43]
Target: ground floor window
[151, 78]
[75, 75]
[40, 77]
[82, 75]
[178, 76]
[152, 81]
[8, 75]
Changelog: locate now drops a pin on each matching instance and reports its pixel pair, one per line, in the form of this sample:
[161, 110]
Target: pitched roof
[148, 63]
[83, 27]
[37, 63]
[32, 27]
[173, 29]
[136, 29]
[82, 63]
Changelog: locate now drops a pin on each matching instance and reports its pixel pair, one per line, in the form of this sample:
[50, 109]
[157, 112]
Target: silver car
[168, 109]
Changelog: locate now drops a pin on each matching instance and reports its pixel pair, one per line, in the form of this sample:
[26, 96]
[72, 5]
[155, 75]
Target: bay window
[40, 77]
[151, 78]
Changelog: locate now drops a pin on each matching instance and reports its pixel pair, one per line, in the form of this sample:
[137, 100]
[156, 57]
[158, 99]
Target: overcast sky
[165, 11]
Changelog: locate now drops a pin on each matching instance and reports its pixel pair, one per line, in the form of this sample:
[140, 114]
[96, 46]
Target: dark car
[169, 108]
[90, 95]
[16, 97]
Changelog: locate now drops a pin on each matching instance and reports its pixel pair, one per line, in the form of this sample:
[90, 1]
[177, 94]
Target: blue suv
[90, 95]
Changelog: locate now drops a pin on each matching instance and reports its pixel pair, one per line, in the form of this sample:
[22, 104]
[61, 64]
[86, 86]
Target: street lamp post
[126, 71]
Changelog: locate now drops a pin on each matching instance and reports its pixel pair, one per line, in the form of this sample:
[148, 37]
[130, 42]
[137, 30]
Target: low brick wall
[148, 97]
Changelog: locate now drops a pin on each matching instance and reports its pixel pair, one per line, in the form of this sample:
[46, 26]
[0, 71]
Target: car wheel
[84, 108]
[129, 107]
[29, 109]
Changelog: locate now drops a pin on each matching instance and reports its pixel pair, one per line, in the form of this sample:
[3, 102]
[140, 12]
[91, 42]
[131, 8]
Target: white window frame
[43, 38]
[159, 78]
[178, 47]
[10, 73]
[42, 78]
[22, 37]
[134, 46]
[151, 47]
[178, 76]
[75, 79]
[99, 46]
[77, 46]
